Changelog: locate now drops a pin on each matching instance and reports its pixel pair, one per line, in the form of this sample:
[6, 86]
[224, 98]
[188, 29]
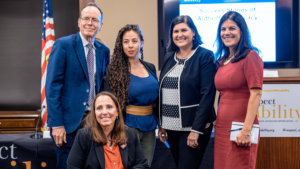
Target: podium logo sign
[7, 151]
[278, 113]
[14, 156]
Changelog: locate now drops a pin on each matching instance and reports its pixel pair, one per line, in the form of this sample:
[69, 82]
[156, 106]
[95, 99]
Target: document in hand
[236, 128]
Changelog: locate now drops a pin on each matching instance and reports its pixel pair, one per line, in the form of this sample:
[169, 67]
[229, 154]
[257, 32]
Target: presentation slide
[259, 15]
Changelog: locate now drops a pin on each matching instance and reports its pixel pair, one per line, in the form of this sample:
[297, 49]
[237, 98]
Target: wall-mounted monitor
[273, 25]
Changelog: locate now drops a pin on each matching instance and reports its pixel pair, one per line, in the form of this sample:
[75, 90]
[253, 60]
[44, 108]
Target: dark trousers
[185, 156]
[62, 152]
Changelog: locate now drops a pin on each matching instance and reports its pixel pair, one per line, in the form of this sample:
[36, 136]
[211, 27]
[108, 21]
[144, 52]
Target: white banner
[278, 113]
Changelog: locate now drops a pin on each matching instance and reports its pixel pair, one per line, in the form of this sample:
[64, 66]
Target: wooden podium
[279, 152]
[19, 121]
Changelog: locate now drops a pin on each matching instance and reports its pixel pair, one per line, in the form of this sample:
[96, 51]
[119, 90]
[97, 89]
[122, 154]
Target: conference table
[24, 151]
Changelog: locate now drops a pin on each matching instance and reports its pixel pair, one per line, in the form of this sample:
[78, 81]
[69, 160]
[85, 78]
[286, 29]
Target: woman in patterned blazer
[186, 95]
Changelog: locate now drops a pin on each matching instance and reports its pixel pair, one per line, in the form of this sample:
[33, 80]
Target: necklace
[228, 60]
[110, 143]
[186, 55]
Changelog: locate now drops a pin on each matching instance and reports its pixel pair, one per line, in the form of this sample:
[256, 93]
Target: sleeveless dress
[234, 81]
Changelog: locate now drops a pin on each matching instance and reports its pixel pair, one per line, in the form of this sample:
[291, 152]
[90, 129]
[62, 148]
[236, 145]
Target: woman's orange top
[113, 159]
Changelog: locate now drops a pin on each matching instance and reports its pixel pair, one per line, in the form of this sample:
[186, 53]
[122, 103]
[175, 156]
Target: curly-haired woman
[135, 84]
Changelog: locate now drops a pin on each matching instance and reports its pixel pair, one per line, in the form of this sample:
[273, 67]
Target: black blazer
[149, 66]
[197, 89]
[86, 154]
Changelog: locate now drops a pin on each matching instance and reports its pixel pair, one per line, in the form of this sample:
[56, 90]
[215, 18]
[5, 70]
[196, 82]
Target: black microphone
[36, 135]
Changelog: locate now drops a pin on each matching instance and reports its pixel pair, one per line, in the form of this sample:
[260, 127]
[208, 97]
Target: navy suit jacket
[67, 83]
[86, 154]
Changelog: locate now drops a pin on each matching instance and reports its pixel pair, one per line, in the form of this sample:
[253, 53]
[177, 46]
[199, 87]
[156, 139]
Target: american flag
[48, 39]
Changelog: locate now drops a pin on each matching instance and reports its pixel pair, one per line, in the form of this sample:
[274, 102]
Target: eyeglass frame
[87, 20]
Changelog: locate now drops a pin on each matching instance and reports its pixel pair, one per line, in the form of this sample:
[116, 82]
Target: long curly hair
[119, 78]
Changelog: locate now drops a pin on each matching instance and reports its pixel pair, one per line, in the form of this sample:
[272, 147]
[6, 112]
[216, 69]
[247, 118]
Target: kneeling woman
[106, 142]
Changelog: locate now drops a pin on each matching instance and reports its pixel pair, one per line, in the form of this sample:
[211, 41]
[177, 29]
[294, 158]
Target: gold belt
[139, 110]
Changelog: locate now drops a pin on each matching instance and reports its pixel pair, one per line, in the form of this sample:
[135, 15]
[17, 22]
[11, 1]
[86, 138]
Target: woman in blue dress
[135, 84]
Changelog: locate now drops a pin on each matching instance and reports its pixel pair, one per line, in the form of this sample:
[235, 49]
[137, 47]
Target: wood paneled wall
[278, 153]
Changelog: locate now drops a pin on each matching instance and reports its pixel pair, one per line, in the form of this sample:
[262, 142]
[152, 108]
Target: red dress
[234, 81]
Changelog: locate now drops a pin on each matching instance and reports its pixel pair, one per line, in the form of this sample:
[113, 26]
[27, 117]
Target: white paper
[239, 125]
[46, 134]
[270, 73]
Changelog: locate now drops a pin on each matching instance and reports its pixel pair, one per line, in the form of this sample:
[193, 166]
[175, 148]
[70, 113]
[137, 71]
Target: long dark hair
[118, 132]
[243, 47]
[119, 67]
[187, 20]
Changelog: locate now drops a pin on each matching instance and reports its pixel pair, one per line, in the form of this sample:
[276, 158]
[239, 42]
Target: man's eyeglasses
[87, 20]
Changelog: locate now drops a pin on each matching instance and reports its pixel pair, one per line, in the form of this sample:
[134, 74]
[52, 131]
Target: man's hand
[59, 135]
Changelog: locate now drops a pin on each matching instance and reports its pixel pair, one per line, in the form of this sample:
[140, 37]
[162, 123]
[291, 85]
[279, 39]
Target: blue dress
[143, 91]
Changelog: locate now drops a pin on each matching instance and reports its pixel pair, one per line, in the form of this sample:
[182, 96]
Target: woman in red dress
[239, 79]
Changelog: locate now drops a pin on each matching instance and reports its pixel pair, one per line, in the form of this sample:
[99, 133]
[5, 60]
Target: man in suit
[75, 72]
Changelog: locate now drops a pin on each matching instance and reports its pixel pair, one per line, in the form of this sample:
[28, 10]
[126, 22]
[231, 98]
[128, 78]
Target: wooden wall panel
[278, 153]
